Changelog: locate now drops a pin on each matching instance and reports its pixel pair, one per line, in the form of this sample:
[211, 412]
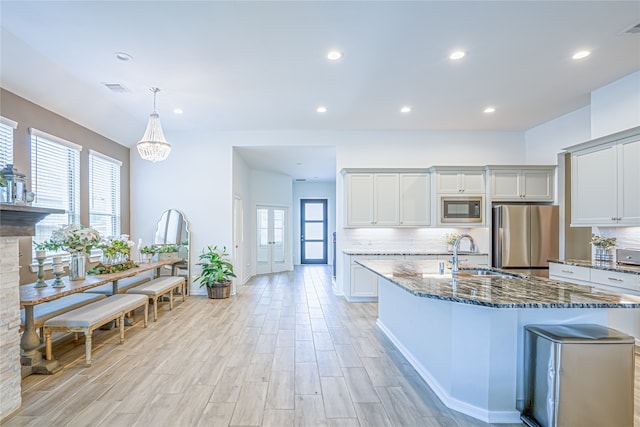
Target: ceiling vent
[300, 179]
[633, 30]
[116, 87]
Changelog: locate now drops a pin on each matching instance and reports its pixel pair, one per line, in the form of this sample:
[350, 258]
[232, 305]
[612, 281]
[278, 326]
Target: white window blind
[6, 141]
[55, 180]
[104, 194]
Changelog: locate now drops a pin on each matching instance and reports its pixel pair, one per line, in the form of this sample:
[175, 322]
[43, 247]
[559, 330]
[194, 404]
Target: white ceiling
[262, 65]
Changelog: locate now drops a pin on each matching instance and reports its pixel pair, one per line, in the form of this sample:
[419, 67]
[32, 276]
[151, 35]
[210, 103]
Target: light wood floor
[283, 352]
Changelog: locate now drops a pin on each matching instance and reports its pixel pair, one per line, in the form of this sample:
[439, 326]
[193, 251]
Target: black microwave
[458, 209]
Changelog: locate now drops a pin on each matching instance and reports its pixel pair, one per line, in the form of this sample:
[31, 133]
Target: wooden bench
[159, 287]
[123, 285]
[47, 310]
[90, 317]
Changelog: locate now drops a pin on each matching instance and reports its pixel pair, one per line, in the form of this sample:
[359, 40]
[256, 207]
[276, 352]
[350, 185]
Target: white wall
[544, 142]
[616, 106]
[313, 190]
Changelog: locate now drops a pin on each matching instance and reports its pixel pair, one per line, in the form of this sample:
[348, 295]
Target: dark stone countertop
[421, 278]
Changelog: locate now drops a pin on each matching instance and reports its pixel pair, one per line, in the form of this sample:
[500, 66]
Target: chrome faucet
[456, 247]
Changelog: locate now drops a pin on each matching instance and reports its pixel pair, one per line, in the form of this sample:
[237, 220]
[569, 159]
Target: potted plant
[603, 247]
[216, 272]
[47, 245]
[166, 252]
[147, 252]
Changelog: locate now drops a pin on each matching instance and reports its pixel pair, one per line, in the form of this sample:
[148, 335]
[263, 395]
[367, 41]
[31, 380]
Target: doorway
[271, 250]
[238, 243]
[313, 231]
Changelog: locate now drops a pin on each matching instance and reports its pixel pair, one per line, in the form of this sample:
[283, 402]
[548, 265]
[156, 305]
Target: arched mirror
[173, 229]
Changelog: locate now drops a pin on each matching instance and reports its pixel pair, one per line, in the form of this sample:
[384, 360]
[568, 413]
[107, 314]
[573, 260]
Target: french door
[271, 250]
[313, 231]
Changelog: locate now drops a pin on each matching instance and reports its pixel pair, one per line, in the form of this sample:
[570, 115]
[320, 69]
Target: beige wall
[29, 115]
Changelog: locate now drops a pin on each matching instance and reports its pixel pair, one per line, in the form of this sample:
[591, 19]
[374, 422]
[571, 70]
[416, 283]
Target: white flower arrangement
[76, 238]
[451, 238]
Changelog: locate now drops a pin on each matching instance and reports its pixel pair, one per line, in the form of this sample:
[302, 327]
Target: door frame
[286, 238]
[325, 231]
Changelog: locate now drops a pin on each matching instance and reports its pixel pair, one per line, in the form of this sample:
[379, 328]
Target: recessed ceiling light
[405, 109]
[490, 110]
[581, 54]
[321, 109]
[123, 56]
[458, 54]
[177, 111]
[334, 55]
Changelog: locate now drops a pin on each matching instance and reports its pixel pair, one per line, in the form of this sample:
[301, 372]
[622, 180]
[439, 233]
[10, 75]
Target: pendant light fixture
[153, 146]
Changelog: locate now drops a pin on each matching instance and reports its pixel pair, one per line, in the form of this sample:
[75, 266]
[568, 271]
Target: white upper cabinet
[513, 183]
[386, 199]
[450, 181]
[605, 184]
[359, 199]
[381, 199]
[415, 202]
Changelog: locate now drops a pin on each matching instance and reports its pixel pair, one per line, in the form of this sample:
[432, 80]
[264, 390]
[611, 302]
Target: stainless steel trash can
[578, 375]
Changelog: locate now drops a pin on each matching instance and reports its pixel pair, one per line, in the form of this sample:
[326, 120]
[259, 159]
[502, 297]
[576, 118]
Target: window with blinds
[55, 180]
[6, 141]
[104, 194]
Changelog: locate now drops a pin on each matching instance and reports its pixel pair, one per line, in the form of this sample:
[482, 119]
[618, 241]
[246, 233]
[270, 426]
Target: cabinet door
[364, 283]
[594, 186]
[629, 184]
[448, 182]
[360, 199]
[472, 182]
[505, 185]
[537, 185]
[386, 199]
[414, 199]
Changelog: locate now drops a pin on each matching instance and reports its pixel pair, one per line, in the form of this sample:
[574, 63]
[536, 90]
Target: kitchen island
[464, 333]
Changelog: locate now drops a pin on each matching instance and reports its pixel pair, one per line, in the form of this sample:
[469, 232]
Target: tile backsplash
[410, 238]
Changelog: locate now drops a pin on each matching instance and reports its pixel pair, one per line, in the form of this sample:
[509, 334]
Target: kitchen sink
[486, 272]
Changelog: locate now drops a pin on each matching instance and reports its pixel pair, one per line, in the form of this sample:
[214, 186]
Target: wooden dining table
[31, 358]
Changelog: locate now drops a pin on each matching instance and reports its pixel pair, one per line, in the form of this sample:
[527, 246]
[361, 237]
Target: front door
[313, 231]
[271, 248]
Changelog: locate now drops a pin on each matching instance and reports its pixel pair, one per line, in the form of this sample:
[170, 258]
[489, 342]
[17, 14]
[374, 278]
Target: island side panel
[467, 354]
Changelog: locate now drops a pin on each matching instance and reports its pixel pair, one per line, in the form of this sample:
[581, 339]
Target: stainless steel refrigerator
[524, 236]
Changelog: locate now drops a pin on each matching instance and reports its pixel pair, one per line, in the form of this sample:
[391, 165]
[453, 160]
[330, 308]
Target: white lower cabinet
[360, 284]
[613, 281]
[622, 282]
[569, 273]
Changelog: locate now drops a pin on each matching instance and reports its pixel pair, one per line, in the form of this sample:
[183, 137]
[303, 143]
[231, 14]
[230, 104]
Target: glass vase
[77, 266]
[603, 254]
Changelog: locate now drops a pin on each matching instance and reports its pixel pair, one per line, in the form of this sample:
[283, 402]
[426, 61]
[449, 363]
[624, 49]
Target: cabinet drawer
[613, 278]
[571, 272]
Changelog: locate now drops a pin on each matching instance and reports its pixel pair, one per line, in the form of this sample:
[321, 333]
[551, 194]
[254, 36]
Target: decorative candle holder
[40, 283]
[57, 271]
